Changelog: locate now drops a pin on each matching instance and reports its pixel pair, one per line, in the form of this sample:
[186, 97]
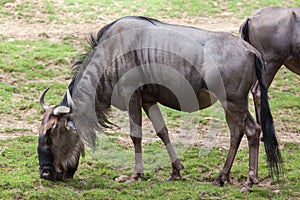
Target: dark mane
[92, 42]
[83, 59]
[151, 20]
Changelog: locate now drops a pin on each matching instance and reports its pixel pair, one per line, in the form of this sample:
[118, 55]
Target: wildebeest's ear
[70, 125]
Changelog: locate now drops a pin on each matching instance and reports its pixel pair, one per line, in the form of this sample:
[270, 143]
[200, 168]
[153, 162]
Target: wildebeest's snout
[45, 160]
[46, 173]
[49, 173]
[47, 169]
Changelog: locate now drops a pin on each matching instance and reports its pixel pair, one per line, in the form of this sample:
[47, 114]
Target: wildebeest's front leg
[135, 119]
[153, 112]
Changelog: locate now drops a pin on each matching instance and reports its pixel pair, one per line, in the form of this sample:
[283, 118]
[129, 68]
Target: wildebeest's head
[59, 145]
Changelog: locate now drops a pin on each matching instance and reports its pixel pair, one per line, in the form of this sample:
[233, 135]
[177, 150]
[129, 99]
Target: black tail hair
[244, 30]
[274, 159]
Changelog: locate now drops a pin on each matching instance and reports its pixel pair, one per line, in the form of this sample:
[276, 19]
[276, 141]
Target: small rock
[45, 35]
[276, 191]
[246, 190]
[122, 178]
[9, 5]
[11, 39]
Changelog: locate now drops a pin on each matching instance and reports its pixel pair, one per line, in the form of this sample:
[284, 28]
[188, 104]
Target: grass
[285, 103]
[28, 67]
[94, 10]
[24, 66]
[95, 179]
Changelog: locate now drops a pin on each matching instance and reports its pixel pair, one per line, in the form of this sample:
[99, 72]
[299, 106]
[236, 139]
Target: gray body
[137, 62]
[275, 33]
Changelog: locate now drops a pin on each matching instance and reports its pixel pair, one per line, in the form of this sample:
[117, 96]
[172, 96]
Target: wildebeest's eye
[48, 140]
[48, 132]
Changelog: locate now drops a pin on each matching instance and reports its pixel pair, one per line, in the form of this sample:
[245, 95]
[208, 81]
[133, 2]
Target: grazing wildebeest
[274, 32]
[137, 62]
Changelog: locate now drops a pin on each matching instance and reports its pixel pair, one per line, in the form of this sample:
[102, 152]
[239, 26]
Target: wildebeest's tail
[274, 158]
[244, 30]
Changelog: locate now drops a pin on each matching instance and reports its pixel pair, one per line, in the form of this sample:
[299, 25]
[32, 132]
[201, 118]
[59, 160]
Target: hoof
[255, 181]
[174, 178]
[217, 183]
[137, 177]
[134, 180]
[220, 182]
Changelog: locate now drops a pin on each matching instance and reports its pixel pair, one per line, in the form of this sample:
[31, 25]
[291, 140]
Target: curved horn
[70, 101]
[42, 102]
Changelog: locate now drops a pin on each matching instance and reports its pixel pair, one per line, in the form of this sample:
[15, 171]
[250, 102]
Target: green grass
[28, 67]
[284, 99]
[32, 57]
[95, 179]
[93, 10]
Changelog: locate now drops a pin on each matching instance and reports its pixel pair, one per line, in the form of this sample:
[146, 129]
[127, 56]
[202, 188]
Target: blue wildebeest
[137, 62]
[275, 33]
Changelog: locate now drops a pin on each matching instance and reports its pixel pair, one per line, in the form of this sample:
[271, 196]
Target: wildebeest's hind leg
[154, 113]
[240, 121]
[135, 120]
[252, 130]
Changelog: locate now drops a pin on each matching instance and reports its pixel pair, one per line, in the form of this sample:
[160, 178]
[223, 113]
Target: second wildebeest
[137, 62]
[275, 33]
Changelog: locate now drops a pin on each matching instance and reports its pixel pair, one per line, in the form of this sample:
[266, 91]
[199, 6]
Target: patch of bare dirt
[19, 30]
